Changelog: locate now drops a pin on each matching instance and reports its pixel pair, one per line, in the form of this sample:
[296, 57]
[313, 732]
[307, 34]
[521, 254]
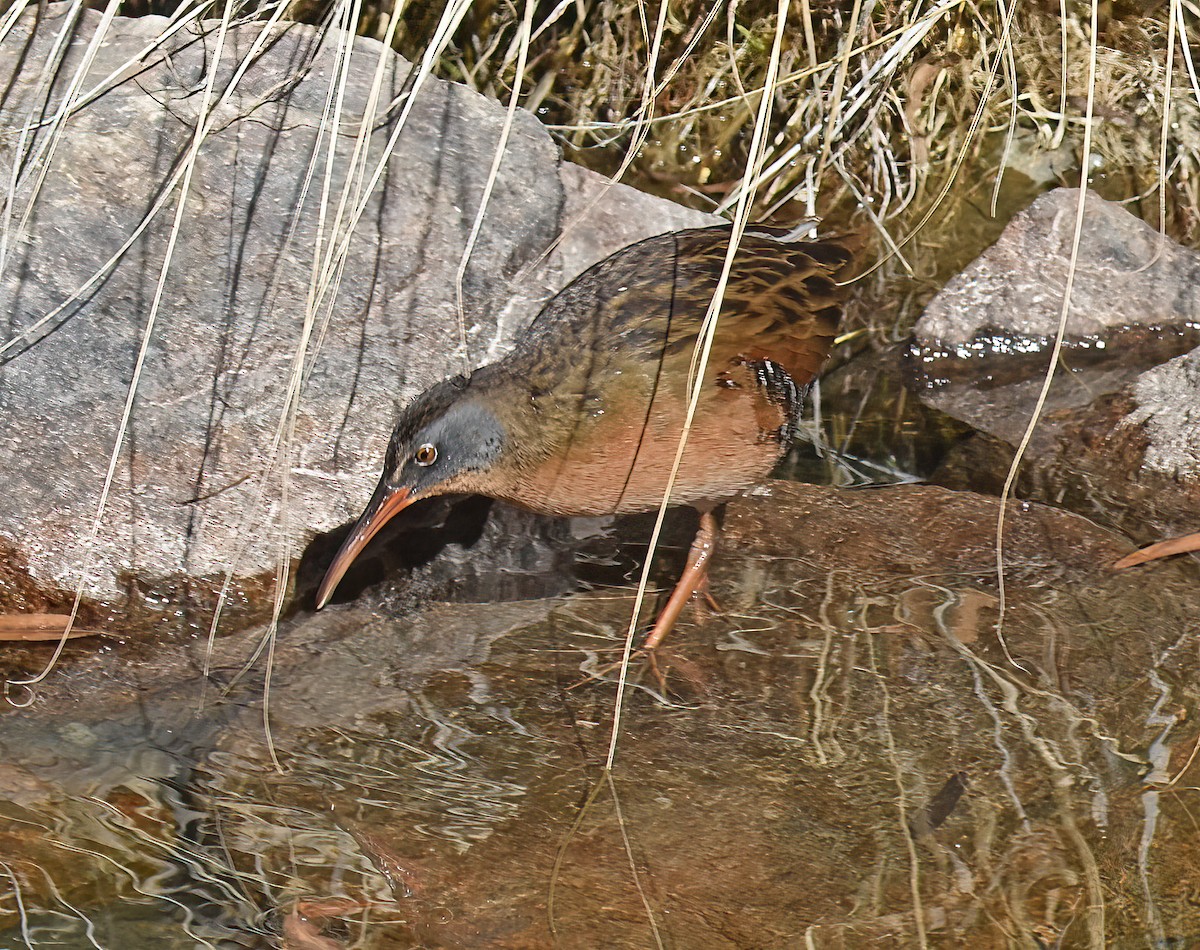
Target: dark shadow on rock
[464, 549]
[471, 549]
[410, 541]
[879, 433]
[615, 557]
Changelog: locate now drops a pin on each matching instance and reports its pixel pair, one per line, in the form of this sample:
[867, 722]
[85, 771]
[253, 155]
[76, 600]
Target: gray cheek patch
[469, 437]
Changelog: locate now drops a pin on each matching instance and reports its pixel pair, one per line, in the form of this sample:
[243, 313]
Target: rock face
[1127, 274]
[982, 345]
[302, 304]
[1168, 413]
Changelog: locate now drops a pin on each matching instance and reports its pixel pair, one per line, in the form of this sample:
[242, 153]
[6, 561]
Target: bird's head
[445, 442]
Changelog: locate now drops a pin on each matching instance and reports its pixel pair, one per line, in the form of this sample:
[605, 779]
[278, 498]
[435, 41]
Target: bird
[583, 416]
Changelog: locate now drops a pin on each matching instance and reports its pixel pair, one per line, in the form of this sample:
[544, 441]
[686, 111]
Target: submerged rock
[303, 302]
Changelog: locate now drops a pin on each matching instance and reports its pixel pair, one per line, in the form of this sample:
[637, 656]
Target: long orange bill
[384, 505]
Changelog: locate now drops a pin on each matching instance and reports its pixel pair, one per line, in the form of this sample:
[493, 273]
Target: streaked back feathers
[783, 300]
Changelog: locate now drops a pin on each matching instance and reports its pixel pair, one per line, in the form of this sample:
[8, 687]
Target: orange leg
[694, 578]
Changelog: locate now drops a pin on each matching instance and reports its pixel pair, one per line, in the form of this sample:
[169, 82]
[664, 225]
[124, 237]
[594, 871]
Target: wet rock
[1116, 439]
[1128, 459]
[197, 487]
[874, 532]
[19, 786]
[854, 673]
[980, 349]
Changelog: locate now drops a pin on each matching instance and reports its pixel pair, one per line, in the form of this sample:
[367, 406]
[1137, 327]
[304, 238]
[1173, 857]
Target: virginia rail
[584, 416]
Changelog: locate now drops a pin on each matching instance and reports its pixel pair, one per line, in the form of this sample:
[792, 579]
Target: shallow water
[843, 756]
[851, 753]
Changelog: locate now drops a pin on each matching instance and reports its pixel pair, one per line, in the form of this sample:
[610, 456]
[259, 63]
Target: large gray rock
[198, 488]
[1118, 438]
[1127, 274]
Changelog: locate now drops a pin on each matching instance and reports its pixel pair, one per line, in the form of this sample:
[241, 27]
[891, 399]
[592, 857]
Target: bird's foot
[639, 661]
[661, 662]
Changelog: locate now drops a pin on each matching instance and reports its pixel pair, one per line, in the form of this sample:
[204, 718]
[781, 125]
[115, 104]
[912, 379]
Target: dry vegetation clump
[887, 111]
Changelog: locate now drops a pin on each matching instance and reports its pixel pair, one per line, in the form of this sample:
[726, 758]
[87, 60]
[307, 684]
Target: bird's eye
[426, 454]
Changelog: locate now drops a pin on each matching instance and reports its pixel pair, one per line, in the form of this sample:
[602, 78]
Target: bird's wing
[783, 300]
[648, 301]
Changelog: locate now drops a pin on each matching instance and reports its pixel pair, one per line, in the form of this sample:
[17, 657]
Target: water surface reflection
[843, 755]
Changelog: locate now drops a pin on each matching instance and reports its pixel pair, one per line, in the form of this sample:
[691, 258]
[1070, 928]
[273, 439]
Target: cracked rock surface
[214, 426]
